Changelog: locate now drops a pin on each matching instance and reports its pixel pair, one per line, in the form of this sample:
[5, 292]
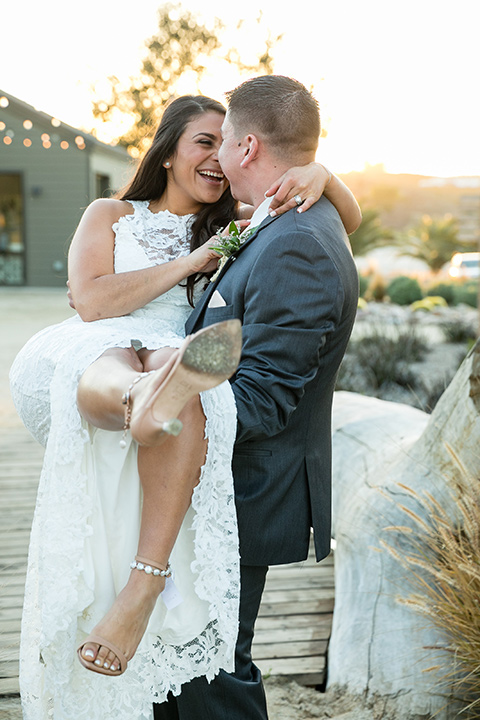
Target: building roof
[37, 117]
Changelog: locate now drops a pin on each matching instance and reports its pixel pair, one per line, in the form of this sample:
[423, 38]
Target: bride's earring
[167, 164]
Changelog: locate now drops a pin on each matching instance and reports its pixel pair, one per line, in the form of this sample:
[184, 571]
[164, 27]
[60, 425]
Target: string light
[4, 102]
[47, 140]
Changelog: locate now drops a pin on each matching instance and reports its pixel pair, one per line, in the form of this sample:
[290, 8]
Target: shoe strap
[99, 640]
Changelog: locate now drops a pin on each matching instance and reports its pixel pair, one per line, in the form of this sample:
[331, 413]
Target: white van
[465, 266]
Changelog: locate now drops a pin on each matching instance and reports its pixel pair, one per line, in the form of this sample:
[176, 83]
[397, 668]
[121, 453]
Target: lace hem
[60, 588]
[54, 685]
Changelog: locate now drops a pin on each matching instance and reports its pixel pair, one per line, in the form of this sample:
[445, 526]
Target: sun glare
[388, 91]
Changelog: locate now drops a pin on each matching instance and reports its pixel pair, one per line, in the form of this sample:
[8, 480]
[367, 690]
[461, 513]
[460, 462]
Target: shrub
[466, 294]
[458, 331]
[364, 283]
[404, 290]
[442, 559]
[429, 303]
[377, 289]
[445, 290]
[385, 357]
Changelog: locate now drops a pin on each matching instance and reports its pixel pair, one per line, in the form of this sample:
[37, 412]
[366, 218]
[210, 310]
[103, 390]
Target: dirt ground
[286, 701]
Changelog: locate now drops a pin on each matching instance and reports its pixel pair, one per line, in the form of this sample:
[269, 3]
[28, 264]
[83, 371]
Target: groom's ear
[250, 150]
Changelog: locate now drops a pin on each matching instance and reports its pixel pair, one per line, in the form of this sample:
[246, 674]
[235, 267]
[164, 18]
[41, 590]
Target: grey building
[49, 173]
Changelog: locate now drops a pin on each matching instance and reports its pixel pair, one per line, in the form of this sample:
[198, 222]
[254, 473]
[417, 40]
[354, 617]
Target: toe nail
[88, 654]
[98, 662]
[106, 665]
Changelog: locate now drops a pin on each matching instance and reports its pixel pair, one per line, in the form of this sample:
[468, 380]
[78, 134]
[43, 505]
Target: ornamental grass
[442, 554]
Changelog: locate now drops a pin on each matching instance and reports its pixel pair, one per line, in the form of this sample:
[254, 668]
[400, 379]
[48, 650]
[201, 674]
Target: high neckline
[187, 216]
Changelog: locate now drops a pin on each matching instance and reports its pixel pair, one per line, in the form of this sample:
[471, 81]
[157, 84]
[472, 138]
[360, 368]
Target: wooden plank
[292, 574]
[299, 621]
[290, 634]
[292, 594]
[9, 685]
[9, 625]
[294, 607]
[302, 583]
[10, 613]
[9, 640]
[302, 648]
[306, 671]
[9, 669]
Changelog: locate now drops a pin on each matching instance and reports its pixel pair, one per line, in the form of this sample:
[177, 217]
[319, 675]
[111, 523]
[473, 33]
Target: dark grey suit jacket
[294, 286]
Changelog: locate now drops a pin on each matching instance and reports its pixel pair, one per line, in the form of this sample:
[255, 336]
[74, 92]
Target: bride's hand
[205, 258]
[306, 183]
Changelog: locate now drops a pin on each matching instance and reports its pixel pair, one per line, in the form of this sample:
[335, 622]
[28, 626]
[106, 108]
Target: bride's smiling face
[194, 176]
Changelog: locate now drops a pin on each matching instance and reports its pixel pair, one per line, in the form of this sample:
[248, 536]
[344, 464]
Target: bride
[112, 523]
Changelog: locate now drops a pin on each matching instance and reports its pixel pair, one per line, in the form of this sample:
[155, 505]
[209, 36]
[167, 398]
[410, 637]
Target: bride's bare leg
[102, 385]
[168, 475]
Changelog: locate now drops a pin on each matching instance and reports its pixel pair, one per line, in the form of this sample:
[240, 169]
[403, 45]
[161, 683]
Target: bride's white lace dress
[87, 517]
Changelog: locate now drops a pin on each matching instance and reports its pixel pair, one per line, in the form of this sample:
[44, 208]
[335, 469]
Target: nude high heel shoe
[150, 567]
[205, 360]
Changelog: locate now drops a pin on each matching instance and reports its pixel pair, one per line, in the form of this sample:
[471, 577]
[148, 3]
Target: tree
[370, 234]
[181, 45]
[434, 241]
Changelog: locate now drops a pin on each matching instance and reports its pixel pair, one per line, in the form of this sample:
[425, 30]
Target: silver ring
[298, 199]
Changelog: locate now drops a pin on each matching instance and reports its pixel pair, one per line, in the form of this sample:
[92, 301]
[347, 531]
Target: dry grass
[443, 559]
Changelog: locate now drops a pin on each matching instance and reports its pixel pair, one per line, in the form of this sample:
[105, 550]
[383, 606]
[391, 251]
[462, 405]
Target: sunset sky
[398, 83]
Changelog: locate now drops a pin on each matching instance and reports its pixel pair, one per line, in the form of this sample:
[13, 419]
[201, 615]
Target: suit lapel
[204, 300]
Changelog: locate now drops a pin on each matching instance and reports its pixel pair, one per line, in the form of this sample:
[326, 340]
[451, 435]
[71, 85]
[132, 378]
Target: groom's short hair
[280, 110]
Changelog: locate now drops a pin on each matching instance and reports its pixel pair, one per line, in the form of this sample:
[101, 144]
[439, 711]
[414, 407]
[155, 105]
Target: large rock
[379, 646]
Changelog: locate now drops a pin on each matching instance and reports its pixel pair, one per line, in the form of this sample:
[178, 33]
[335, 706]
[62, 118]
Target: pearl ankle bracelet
[150, 570]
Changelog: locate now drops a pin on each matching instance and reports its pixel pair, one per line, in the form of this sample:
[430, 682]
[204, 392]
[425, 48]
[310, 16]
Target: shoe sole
[206, 360]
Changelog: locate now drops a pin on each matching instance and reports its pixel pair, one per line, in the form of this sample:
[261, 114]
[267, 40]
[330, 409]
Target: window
[102, 185]
[12, 252]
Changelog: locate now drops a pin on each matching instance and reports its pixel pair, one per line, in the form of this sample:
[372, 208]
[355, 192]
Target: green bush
[404, 290]
[445, 290]
[466, 294]
[364, 283]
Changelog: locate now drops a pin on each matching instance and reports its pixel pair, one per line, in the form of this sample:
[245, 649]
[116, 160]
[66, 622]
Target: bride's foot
[115, 639]
[206, 359]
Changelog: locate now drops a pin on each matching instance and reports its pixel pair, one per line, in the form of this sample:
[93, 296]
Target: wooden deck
[295, 618]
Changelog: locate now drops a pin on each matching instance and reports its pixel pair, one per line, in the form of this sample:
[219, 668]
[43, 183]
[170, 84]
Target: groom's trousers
[230, 696]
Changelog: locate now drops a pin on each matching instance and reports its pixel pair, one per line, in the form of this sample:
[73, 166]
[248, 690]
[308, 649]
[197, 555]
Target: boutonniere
[229, 243]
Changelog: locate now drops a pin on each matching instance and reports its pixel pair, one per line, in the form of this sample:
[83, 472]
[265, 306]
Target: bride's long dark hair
[150, 180]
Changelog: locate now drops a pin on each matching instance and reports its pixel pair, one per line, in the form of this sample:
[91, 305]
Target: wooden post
[379, 646]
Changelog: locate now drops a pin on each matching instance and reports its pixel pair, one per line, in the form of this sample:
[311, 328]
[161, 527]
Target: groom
[294, 286]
